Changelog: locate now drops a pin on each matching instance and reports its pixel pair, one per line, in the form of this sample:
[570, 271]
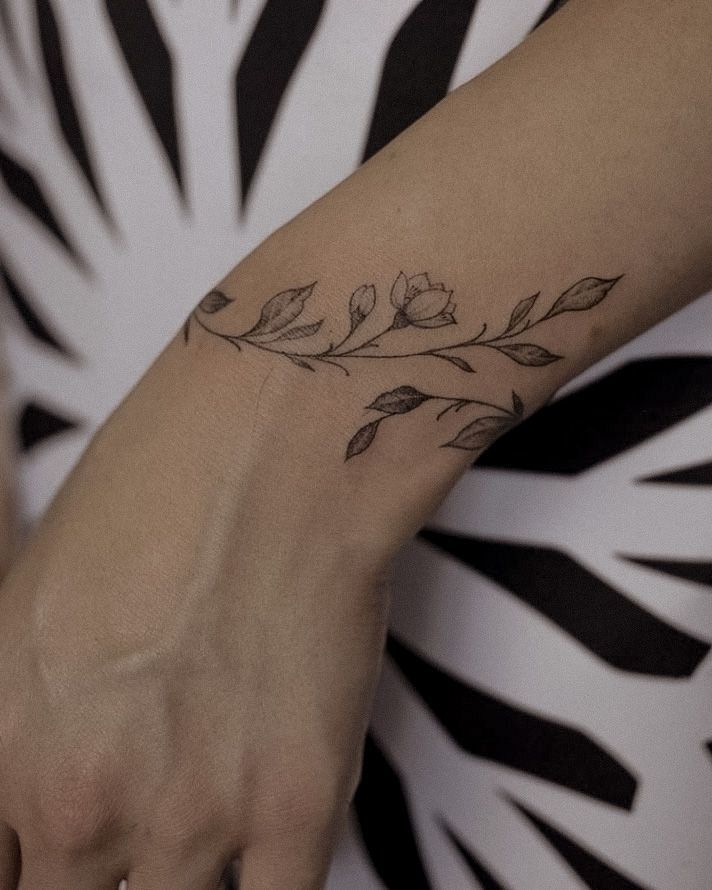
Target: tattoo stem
[349, 352]
[458, 403]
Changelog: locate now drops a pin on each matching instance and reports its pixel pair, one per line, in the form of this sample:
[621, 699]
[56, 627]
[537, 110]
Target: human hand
[185, 676]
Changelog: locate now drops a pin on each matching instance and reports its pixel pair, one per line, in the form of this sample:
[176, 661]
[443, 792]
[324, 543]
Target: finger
[41, 878]
[9, 858]
[178, 875]
[44, 873]
[273, 869]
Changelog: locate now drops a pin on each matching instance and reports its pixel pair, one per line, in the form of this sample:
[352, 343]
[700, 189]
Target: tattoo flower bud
[362, 302]
[420, 303]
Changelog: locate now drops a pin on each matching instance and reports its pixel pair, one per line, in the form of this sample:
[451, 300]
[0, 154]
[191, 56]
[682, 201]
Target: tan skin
[192, 637]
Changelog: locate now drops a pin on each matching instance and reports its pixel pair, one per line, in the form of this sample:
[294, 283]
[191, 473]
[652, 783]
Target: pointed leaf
[480, 433]
[305, 330]
[521, 310]
[456, 360]
[583, 295]
[214, 301]
[399, 401]
[527, 353]
[281, 309]
[362, 439]
[298, 361]
[517, 403]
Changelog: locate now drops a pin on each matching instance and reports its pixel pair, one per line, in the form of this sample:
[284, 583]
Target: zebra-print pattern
[543, 717]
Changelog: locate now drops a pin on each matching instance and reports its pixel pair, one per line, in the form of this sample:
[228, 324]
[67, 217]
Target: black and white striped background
[544, 718]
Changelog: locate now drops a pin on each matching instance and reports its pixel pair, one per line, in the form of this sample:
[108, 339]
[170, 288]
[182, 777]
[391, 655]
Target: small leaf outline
[362, 439]
[455, 360]
[586, 293]
[521, 310]
[517, 404]
[281, 309]
[297, 360]
[305, 330]
[480, 433]
[399, 400]
[527, 353]
[214, 301]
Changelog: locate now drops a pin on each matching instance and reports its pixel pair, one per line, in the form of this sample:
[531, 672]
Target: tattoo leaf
[305, 330]
[517, 404]
[583, 295]
[399, 401]
[521, 310]
[214, 301]
[362, 439]
[298, 361]
[186, 328]
[362, 301]
[283, 308]
[456, 360]
[480, 433]
[527, 353]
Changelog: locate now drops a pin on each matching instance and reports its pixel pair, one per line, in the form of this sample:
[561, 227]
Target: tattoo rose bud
[362, 302]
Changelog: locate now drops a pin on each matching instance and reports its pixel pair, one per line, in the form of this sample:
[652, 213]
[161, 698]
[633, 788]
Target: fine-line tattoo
[416, 303]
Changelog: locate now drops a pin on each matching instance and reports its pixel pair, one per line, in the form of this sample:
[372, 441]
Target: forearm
[583, 154]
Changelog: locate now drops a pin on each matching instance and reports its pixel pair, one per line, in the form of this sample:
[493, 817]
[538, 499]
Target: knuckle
[317, 803]
[184, 823]
[309, 798]
[75, 807]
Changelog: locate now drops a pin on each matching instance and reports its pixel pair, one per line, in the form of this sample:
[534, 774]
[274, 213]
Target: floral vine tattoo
[478, 434]
[416, 303]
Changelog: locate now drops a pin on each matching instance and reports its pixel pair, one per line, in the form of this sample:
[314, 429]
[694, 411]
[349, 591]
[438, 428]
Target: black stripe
[53, 55]
[606, 417]
[151, 67]
[418, 68]
[698, 474]
[37, 423]
[22, 184]
[490, 728]
[267, 67]
[689, 569]
[36, 327]
[594, 872]
[598, 616]
[485, 879]
[385, 823]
